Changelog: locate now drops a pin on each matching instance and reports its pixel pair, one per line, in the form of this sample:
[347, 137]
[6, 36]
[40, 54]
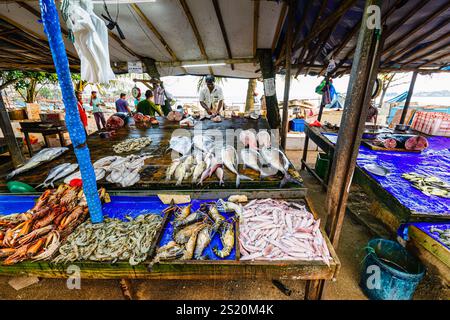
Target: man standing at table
[211, 97]
[96, 103]
[122, 104]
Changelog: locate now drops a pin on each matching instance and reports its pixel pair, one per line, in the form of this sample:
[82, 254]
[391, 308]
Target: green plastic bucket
[322, 164]
[389, 271]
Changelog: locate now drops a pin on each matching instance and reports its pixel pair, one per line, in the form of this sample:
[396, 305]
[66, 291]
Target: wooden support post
[408, 97]
[268, 73]
[8, 132]
[362, 77]
[287, 77]
[150, 65]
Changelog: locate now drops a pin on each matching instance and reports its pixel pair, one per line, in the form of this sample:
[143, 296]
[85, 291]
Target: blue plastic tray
[119, 208]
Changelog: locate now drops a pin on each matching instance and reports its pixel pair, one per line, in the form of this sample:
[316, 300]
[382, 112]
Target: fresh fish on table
[105, 162]
[171, 169]
[251, 159]
[230, 160]
[99, 174]
[68, 170]
[42, 156]
[200, 167]
[376, 169]
[263, 138]
[276, 158]
[53, 173]
[248, 139]
[180, 172]
[203, 142]
[181, 144]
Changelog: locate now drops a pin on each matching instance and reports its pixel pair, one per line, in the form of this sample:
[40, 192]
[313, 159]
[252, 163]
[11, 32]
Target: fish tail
[288, 178]
[244, 177]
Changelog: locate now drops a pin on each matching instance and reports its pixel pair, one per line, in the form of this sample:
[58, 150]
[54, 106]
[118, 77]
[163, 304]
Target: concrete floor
[353, 239]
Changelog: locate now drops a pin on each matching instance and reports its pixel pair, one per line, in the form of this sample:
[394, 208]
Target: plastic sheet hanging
[90, 37]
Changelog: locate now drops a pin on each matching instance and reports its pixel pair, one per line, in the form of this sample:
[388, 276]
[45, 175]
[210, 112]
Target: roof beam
[405, 18]
[414, 43]
[417, 27]
[65, 32]
[222, 29]
[155, 31]
[279, 25]
[427, 47]
[429, 53]
[212, 61]
[201, 46]
[255, 25]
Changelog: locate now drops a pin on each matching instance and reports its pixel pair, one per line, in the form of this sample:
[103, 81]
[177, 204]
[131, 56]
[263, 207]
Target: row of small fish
[112, 240]
[45, 155]
[132, 144]
[443, 234]
[429, 185]
[279, 230]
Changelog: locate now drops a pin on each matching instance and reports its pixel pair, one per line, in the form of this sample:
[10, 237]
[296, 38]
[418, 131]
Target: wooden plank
[255, 25]
[279, 25]
[196, 269]
[223, 30]
[434, 247]
[154, 170]
[363, 75]
[287, 76]
[197, 35]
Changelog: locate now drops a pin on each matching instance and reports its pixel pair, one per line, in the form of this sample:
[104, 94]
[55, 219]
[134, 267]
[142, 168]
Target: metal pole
[287, 77]
[408, 97]
[8, 132]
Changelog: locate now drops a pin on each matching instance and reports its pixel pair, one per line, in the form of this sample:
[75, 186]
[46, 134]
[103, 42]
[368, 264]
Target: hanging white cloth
[91, 41]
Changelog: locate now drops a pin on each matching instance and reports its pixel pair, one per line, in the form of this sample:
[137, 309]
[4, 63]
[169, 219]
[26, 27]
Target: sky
[235, 90]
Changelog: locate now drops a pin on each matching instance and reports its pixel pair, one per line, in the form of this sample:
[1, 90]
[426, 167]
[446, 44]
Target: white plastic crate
[432, 123]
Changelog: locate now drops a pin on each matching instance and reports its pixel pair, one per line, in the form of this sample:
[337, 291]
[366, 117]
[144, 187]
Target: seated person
[148, 107]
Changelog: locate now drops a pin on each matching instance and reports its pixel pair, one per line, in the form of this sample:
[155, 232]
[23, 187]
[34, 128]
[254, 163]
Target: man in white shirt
[211, 97]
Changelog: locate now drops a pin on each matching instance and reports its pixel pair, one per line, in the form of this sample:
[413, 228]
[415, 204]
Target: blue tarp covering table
[433, 161]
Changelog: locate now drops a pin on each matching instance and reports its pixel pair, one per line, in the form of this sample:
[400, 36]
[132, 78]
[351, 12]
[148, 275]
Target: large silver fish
[53, 173]
[278, 160]
[251, 159]
[230, 160]
[203, 142]
[64, 173]
[181, 144]
[42, 156]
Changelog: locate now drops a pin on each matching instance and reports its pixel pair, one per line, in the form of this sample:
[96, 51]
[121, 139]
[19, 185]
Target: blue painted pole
[52, 28]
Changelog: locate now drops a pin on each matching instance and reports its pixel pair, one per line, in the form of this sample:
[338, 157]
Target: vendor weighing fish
[42, 156]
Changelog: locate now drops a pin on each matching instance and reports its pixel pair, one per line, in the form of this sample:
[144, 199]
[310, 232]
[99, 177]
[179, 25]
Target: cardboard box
[33, 111]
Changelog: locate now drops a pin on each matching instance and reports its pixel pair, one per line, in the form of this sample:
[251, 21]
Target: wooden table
[196, 269]
[154, 172]
[385, 206]
[44, 128]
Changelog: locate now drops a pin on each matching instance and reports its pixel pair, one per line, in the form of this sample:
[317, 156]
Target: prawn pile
[279, 230]
[134, 144]
[112, 240]
[37, 234]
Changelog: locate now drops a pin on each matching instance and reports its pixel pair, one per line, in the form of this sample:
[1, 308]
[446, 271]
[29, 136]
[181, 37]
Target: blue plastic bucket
[389, 272]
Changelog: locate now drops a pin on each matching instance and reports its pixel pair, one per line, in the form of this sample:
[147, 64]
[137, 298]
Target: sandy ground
[353, 239]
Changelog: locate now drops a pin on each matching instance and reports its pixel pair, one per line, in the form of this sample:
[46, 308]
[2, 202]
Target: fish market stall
[148, 150]
[402, 187]
[431, 242]
[205, 238]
